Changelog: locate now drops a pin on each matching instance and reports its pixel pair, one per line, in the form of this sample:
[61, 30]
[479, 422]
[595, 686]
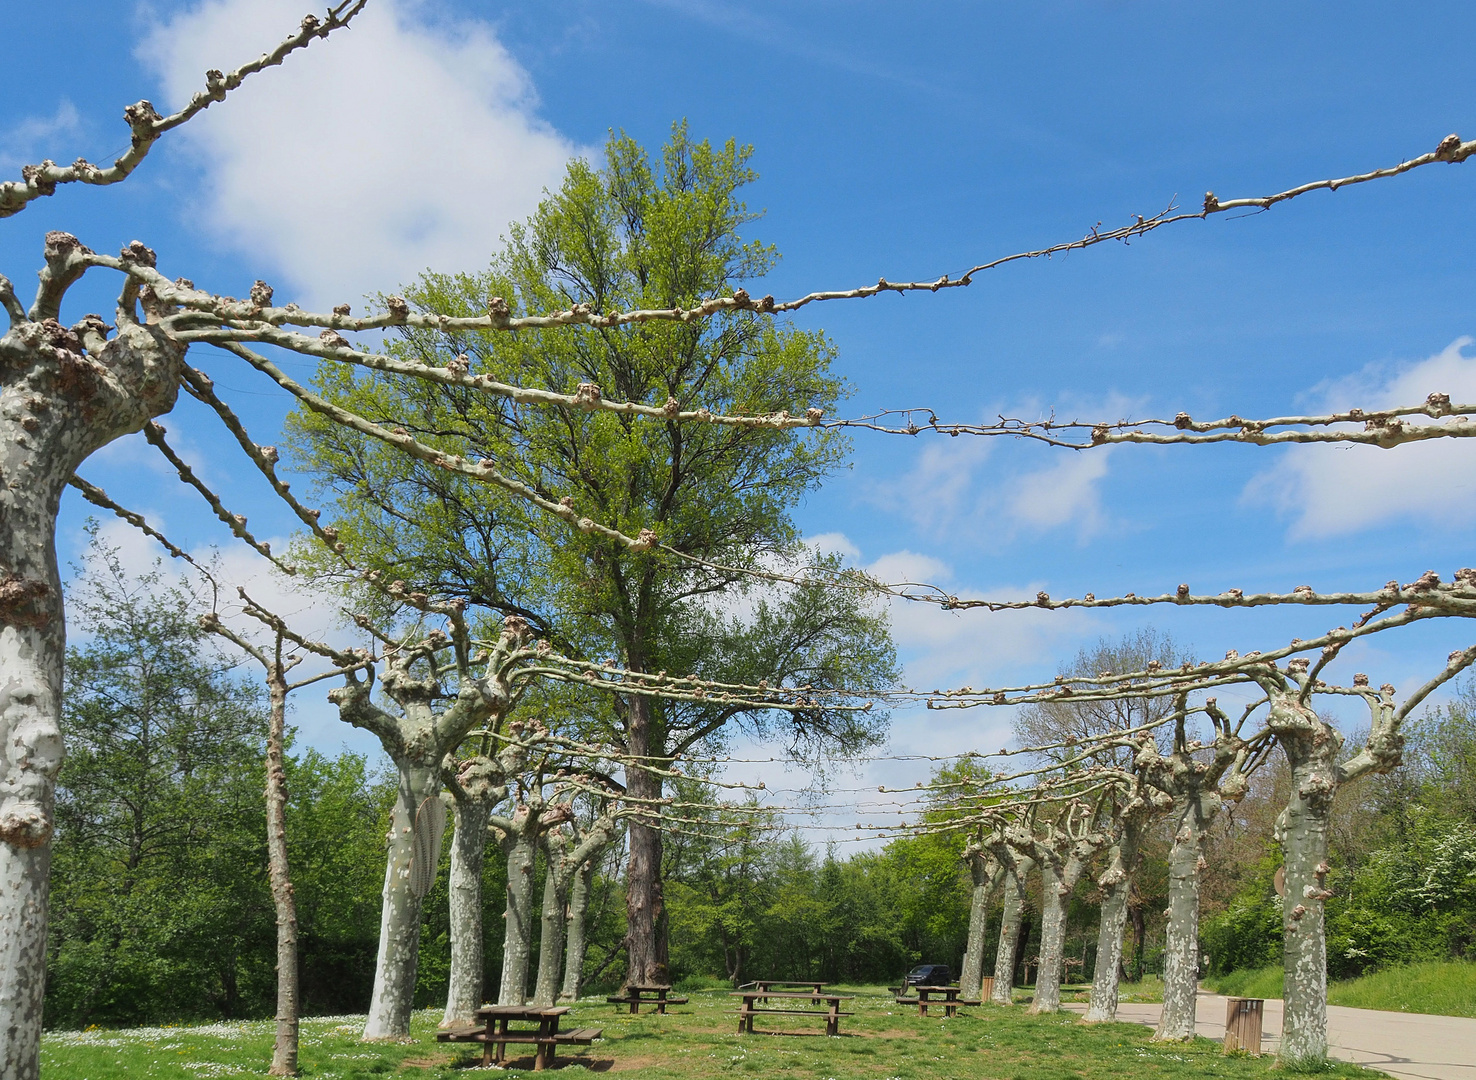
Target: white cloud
[1064, 493]
[29, 140]
[386, 149]
[939, 489]
[1331, 490]
[834, 543]
[948, 487]
[973, 647]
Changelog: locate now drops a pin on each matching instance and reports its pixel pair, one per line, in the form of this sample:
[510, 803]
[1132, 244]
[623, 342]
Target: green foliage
[1440, 988]
[631, 234]
[748, 902]
[160, 788]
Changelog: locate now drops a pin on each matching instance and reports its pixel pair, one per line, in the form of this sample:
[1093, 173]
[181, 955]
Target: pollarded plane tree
[476, 786]
[1117, 726]
[68, 391]
[543, 818]
[277, 658]
[438, 687]
[1125, 769]
[571, 855]
[1315, 751]
[986, 878]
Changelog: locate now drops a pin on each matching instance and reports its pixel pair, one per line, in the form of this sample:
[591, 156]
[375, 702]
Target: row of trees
[160, 811]
[647, 426]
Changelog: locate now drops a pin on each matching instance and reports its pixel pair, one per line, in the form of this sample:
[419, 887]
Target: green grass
[883, 1041]
[1443, 989]
[1150, 989]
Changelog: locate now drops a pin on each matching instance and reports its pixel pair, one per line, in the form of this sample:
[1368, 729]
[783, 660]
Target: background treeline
[161, 909]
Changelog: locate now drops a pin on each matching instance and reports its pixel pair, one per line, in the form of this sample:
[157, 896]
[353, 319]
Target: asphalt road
[1411, 1046]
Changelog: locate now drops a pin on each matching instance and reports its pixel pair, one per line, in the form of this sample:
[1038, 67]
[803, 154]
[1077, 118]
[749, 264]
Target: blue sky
[896, 140]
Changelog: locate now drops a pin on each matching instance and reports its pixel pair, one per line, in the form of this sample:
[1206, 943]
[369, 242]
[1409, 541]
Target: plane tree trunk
[567, 856]
[986, 876]
[477, 788]
[64, 394]
[1017, 868]
[1116, 883]
[417, 739]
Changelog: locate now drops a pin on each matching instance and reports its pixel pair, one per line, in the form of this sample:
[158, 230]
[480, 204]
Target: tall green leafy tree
[628, 234]
[161, 849]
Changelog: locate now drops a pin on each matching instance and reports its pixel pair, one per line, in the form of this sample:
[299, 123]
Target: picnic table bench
[494, 1034]
[947, 996]
[749, 1009]
[636, 996]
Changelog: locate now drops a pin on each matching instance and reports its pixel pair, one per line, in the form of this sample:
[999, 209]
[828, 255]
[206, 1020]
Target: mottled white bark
[1302, 831]
[284, 1046]
[64, 393]
[578, 939]
[1116, 883]
[517, 942]
[519, 837]
[554, 924]
[476, 790]
[986, 875]
[1062, 851]
[418, 740]
[1193, 810]
[570, 860]
[1017, 869]
[399, 924]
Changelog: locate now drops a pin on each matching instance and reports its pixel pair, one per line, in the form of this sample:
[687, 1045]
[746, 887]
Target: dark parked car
[929, 975]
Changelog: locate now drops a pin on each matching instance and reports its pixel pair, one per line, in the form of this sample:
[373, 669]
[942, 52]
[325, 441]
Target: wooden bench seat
[636, 996]
[793, 1012]
[462, 1034]
[579, 1036]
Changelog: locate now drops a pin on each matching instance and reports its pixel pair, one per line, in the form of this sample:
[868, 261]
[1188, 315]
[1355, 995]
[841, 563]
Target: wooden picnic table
[948, 996]
[494, 1035]
[771, 984]
[636, 996]
[749, 1009]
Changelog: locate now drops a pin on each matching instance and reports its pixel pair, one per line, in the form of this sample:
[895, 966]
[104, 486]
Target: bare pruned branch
[1384, 428]
[146, 125]
[154, 433]
[253, 315]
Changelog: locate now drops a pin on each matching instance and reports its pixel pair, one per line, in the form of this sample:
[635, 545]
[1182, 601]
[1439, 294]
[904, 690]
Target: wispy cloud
[971, 483]
[766, 28]
[1333, 490]
[30, 139]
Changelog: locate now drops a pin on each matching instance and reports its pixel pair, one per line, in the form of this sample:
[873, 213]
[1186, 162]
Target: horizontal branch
[1384, 428]
[397, 313]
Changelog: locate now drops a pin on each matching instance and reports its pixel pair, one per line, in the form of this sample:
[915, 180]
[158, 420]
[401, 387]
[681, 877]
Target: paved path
[1411, 1046]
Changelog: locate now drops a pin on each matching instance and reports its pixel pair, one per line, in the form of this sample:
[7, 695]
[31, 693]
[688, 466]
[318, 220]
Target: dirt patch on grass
[428, 1062]
[636, 1061]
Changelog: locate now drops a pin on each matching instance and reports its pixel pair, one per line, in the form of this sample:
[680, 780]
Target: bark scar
[22, 601]
[25, 825]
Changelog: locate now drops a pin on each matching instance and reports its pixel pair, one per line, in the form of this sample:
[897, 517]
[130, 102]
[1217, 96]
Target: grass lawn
[883, 1041]
[1444, 989]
